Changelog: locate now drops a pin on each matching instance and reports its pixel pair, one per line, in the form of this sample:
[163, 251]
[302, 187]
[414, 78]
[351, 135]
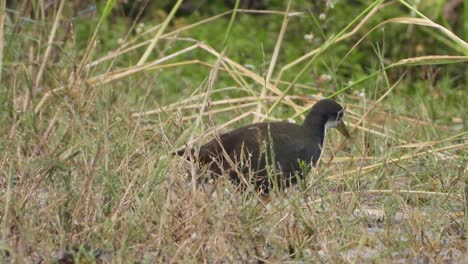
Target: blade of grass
[384, 192]
[2, 34]
[177, 31]
[323, 48]
[231, 22]
[50, 42]
[373, 167]
[110, 76]
[258, 79]
[371, 10]
[156, 37]
[428, 21]
[274, 58]
[91, 43]
[423, 60]
[404, 20]
[363, 117]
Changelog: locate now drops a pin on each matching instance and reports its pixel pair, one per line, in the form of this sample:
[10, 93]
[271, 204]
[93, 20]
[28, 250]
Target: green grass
[84, 172]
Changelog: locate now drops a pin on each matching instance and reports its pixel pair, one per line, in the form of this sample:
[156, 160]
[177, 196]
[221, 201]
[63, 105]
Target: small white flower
[290, 120]
[309, 37]
[322, 16]
[139, 28]
[325, 77]
[362, 93]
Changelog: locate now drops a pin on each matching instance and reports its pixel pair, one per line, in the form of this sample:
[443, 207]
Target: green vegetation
[88, 124]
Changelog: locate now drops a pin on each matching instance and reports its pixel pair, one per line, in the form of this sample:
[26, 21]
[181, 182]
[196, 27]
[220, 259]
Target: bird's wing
[242, 141]
[290, 148]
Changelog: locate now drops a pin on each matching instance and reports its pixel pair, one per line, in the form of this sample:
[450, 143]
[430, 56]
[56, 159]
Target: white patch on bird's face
[329, 124]
[334, 123]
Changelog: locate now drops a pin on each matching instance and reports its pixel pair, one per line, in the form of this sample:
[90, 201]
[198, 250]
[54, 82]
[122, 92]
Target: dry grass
[85, 173]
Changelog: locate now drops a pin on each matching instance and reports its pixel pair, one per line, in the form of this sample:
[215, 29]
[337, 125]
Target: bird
[271, 153]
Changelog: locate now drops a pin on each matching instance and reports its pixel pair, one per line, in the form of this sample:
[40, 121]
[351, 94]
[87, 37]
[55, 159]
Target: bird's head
[331, 113]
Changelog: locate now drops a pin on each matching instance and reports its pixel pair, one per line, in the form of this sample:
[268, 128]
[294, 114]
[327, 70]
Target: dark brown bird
[265, 154]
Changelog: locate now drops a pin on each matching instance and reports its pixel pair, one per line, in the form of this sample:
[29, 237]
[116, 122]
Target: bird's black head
[327, 113]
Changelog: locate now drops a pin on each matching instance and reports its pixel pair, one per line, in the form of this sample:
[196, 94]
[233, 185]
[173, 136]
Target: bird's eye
[339, 116]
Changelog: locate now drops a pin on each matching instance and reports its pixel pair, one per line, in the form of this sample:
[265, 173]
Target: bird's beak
[342, 128]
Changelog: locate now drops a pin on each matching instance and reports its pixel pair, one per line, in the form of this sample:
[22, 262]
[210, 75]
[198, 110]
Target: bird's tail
[203, 155]
[181, 152]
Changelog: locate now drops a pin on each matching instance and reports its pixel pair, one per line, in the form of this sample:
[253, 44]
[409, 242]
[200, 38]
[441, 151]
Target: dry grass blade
[218, 128]
[374, 132]
[431, 60]
[41, 175]
[92, 41]
[182, 105]
[258, 79]
[105, 78]
[274, 58]
[422, 22]
[427, 22]
[222, 110]
[2, 34]
[433, 143]
[204, 106]
[239, 79]
[363, 117]
[381, 113]
[112, 76]
[50, 43]
[155, 39]
[386, 192]
[367, 169]
[343, 37]
[114, 54]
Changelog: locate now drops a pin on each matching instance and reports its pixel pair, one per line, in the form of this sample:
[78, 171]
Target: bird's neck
[316, 128]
